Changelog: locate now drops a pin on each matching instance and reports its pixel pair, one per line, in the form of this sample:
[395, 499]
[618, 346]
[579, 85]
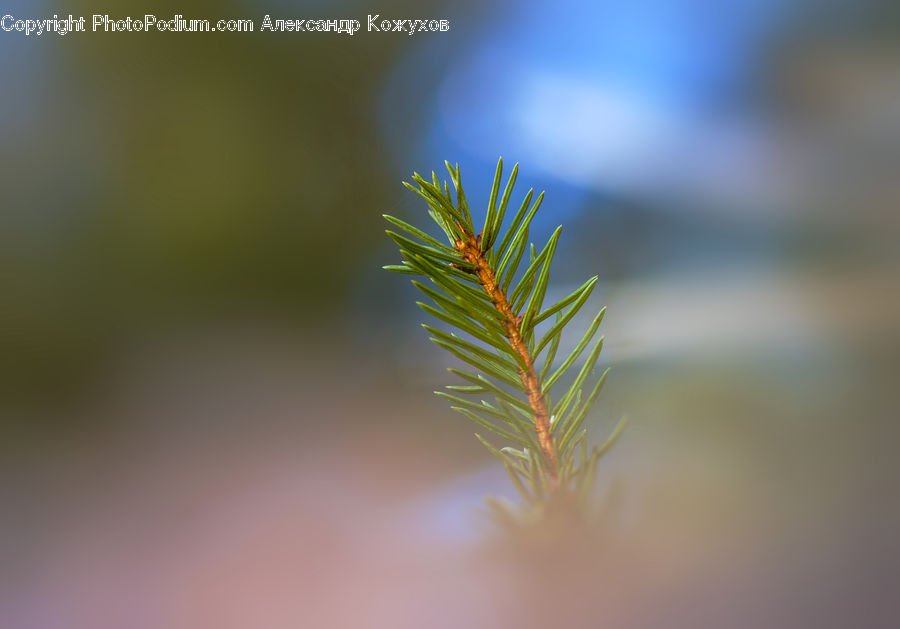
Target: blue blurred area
[614, 92]
[647, 122]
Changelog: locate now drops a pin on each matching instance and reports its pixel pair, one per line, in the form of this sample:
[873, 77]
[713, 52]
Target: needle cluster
[489, 285]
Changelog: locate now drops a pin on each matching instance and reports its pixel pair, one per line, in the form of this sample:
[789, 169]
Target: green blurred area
[172, 179]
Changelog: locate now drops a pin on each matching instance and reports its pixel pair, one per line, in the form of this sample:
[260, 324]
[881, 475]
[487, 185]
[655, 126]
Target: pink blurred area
[239, 487]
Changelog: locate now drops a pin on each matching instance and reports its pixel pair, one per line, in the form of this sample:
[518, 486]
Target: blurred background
[216, 409]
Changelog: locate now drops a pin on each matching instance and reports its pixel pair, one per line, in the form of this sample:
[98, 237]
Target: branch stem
[472, 253]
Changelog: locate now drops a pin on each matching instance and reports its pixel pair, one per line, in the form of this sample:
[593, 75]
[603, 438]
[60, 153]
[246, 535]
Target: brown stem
[472, 253]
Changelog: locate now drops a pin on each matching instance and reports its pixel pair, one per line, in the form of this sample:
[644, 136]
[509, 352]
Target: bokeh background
[216, 408]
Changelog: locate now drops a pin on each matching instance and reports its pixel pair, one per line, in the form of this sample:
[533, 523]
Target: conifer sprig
[479, 291]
